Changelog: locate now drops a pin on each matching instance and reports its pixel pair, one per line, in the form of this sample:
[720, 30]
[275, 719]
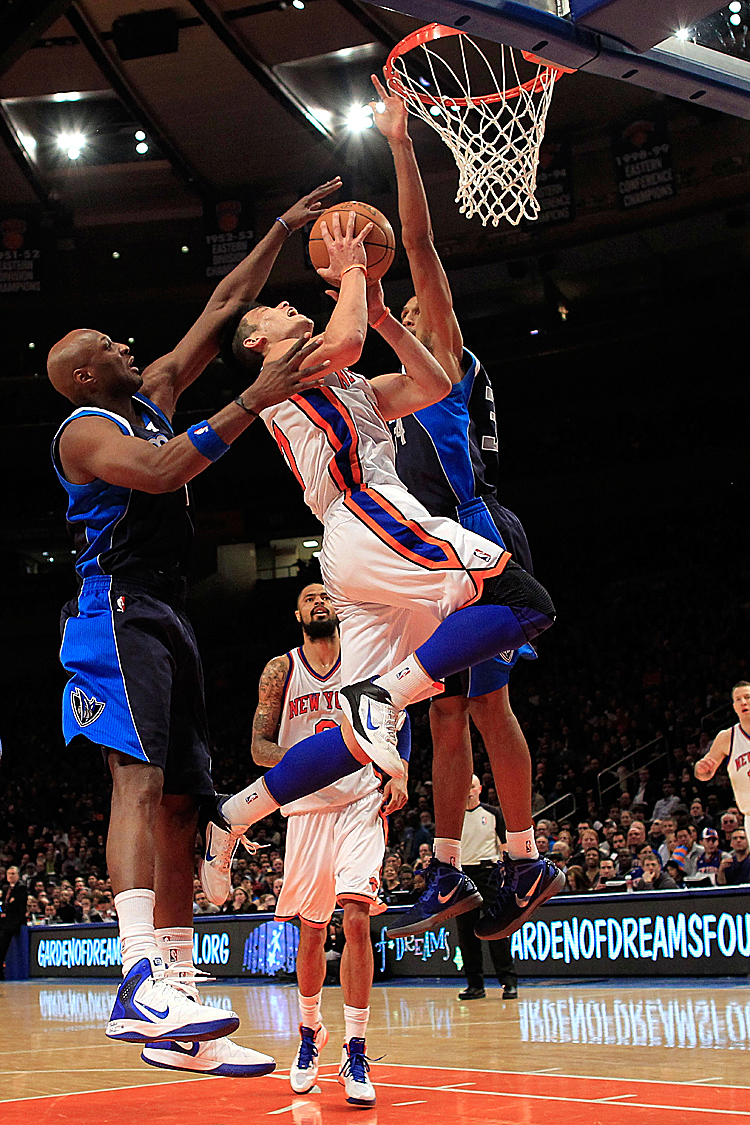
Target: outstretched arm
[93, 447]
[265, 749]
[439, 330]
[166, 378]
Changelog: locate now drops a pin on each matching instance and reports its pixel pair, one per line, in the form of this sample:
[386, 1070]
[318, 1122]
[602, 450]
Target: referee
[483, 832]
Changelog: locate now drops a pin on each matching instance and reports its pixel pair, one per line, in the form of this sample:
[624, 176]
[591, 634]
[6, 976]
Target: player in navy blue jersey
[136, 685]
[447, 455]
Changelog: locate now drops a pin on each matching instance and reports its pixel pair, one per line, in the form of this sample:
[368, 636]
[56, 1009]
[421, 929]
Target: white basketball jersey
[334, 439]
[738, 766]
[310, 703]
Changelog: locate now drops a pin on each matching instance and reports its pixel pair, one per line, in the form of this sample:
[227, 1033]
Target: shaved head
[90, 369]
[68, 355]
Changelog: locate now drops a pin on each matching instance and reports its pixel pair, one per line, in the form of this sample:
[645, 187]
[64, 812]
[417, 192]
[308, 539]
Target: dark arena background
[143, 150]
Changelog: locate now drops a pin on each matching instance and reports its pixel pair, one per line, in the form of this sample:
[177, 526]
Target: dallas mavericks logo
[86, 710]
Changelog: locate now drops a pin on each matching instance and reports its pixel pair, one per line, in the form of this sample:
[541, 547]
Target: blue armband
[207, 441]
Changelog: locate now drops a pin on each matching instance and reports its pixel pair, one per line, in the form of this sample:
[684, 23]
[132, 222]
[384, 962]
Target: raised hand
[389, 113]
[345, 249]
[308, 208]
[281, 378]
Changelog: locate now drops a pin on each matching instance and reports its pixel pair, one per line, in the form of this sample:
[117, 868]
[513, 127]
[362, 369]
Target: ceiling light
[185, 249]
[73, 153]
[310, 543]
[50, 559]
[69, 96]
[141, 148]
[298, 4]
[735, 20]
[683, 33]
[435, 110]
[358, 118]
[324, 116]
[735, 6]
[140, 135]
[32, 344]
[316, 554]
[115, 254]
[131, 340]
[45, 554]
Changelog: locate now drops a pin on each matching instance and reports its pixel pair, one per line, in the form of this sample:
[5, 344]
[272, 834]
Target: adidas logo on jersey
[86, 710]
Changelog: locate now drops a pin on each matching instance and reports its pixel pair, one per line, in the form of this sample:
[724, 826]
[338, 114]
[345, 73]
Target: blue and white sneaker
[304, 1069]
[448, 892]
[149, 1009]
[374, 721]
[354, 1075]
[522, 886]
[218, 1056]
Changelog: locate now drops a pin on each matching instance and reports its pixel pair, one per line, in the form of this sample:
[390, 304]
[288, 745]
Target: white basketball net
[494, 143]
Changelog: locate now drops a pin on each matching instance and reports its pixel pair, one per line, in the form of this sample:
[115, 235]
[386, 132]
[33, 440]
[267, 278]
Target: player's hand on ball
[306, 209]
[389, 113]
[703, 770]
[344, 249]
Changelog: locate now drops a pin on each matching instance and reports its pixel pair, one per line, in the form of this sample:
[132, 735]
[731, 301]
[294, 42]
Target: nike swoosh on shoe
[209, 858]
[524, 900]
[444, 898]
[369, 723]
[159, 1015]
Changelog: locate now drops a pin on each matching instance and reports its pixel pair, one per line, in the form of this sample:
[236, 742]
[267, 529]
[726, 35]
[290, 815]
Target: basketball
[380, 244]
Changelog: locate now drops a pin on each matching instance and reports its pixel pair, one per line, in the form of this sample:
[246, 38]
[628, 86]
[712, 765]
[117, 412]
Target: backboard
[707, 62]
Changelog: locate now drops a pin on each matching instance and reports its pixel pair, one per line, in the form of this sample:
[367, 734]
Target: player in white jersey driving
[418, 597]
[734, 745]
[334, 846]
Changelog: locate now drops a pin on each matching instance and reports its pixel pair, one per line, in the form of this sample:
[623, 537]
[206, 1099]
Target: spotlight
[32, 344]
[141, 148]
[358, 118]
[735, 20]
[115, 254]
[682, 33]
[131, 340]
[73, 153]
[185, 249]
[140, 135]
[735, 6]
[69, 96]
[298, 4]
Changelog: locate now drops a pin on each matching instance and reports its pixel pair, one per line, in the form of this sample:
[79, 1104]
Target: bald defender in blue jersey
[446, 455]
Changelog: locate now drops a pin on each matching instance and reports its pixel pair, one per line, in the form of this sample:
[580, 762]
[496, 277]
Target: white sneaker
[304, 1069]
[149, 1008]
[219, 1056]
[354, 1074]
[373, 720]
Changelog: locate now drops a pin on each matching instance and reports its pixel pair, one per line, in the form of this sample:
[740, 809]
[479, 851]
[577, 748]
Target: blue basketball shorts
[488, 518]
[136, 682]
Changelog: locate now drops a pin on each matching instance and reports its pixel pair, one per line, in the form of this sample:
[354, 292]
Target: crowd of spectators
[616, 712]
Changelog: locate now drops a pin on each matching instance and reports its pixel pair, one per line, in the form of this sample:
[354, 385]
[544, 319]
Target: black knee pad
[516, 588]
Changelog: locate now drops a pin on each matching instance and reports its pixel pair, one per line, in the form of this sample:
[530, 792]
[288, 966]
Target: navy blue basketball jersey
[121, 531]
[447, 453]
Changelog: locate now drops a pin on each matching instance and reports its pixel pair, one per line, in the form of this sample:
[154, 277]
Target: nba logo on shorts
[120, 604]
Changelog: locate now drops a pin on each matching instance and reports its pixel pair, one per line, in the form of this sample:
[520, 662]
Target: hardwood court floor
[586, 1054]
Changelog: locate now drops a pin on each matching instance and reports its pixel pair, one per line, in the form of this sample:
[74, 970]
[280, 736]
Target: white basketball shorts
[394, 572]
[331, 857]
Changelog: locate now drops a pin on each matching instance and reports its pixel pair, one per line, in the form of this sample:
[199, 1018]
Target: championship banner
[642, 154]
[229, 233]
[20, 254]
[554, 186]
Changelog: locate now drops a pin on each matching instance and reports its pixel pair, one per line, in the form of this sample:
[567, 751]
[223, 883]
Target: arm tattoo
[266, 752]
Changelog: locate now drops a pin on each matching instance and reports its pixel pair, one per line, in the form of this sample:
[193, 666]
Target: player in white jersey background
[734, 745]
[335, 842]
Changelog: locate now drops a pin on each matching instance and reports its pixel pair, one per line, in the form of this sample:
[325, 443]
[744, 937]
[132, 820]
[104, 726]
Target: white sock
[176, 948]
[249, 805]
[408, 683]
[446, 850]
[135, 920]
[522, 845]
[355, 1020]
[309, 1010]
